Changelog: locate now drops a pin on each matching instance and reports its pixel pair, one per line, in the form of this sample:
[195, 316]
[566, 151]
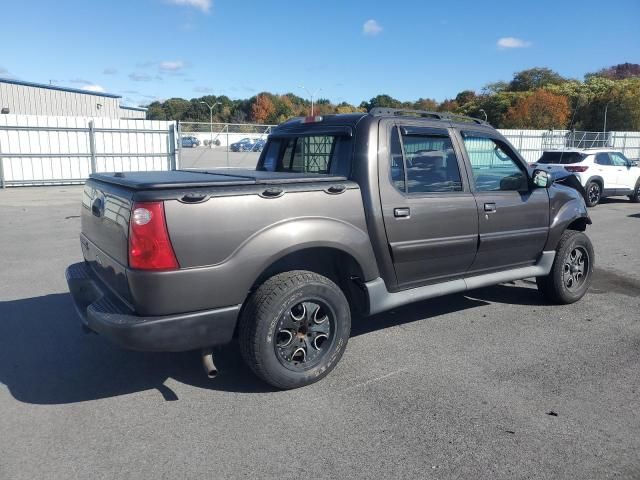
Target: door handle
[272, 192]
[490, 207]
[401, 212]
[336, 189]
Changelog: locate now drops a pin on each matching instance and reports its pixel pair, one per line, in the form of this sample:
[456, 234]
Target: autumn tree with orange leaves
[539, 110]
[262, 109]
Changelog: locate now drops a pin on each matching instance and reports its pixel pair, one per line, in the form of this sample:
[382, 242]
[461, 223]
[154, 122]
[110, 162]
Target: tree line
[537, 98]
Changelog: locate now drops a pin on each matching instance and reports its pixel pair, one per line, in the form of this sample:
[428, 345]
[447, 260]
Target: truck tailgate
[105, 231]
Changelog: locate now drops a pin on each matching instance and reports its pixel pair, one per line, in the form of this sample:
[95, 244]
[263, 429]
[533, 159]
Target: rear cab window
[319, 154]
[561, 158]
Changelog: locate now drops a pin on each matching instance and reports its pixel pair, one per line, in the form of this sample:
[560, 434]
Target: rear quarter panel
[225, 243]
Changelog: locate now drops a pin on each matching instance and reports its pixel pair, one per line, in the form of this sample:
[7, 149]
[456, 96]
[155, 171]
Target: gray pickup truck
[344, 215]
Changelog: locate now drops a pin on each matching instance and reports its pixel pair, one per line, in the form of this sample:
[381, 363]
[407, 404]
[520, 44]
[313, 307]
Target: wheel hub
[303, 334]
[575, 268]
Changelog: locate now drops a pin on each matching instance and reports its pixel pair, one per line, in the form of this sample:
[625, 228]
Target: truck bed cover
[208, 178]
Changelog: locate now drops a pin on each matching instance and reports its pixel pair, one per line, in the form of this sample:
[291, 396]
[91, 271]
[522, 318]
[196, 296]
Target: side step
[380, 299]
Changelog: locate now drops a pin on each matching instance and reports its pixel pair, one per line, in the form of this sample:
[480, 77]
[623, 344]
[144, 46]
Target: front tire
[572, 270]
[294, 329]
[593, 194]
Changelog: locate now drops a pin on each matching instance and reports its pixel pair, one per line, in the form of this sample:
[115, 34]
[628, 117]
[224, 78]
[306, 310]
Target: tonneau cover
[208, 178]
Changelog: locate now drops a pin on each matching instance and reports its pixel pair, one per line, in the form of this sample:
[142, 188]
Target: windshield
[562, 158]
[322, 154]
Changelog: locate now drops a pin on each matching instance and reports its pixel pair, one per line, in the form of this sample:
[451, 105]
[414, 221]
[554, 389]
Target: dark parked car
[190, 142]
[259, 145]
[244, 145]
[344, 215]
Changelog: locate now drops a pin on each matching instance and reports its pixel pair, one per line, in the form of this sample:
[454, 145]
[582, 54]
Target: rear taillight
[149, 244]
[576, 169]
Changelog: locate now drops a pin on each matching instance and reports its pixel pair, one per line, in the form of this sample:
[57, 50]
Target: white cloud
[3, 71]
[139, 77]
[371, 27]
[172, 66]
[513, 42]
[81, 81]
[204, 5]
[93, 88]
[203, 90]
[110, 71]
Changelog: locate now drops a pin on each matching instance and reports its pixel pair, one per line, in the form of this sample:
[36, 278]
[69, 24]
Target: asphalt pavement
[494, 384]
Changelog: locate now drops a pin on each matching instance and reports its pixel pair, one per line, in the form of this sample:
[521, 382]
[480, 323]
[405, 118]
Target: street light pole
[211, 107]
[606, 108]
[311, 95]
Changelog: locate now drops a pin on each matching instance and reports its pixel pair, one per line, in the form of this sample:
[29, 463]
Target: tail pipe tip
[207, 362]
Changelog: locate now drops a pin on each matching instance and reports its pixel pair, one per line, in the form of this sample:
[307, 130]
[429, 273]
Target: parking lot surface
[493, 384]
[204, 157]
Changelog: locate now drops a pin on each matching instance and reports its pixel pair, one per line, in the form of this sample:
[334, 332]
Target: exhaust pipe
[207, 362]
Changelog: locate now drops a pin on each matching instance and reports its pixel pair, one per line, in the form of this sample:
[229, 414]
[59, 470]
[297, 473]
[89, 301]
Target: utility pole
[606, 108]
[312, 95]
[211, 107]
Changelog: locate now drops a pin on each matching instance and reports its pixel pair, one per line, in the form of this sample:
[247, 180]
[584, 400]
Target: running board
[380, 299]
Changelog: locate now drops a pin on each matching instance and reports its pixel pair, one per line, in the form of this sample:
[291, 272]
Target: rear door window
[424, 163]
[603, 159]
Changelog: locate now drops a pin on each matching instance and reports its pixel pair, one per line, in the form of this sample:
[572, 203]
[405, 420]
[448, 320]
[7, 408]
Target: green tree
[381, 101]
[533, 79]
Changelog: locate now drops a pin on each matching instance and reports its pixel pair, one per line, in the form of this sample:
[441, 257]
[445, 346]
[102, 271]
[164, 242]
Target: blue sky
[352, 49]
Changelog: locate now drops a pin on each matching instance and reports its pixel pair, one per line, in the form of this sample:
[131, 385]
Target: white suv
[602, 172]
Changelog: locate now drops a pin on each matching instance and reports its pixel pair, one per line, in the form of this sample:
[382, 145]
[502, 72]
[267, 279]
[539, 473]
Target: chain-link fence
[215, 145]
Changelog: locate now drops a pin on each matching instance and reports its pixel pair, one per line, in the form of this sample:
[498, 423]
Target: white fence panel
[41, 150]
[628, 142]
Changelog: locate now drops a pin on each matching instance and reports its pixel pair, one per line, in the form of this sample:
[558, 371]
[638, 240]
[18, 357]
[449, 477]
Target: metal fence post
[171, 147]
[178, 145]
[92, 145]
[227, 144]
[2, 184]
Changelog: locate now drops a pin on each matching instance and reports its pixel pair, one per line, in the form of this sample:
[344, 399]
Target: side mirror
[541, 179]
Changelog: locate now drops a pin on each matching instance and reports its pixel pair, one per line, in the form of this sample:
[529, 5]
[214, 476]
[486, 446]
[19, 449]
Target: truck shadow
[46, 358]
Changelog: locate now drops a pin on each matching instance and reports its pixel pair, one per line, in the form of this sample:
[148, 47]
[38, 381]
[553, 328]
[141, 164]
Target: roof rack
[380, 111]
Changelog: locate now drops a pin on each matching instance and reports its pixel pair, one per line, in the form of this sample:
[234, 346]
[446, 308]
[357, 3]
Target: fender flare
[571, 211]
[595, 178]
[275, 242]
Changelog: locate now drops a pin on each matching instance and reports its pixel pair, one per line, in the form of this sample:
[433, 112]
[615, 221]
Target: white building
[26, 98]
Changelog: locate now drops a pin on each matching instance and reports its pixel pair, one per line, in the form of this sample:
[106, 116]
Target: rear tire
[593, 194]
[572, 269]
[294, 329]
[635, 196]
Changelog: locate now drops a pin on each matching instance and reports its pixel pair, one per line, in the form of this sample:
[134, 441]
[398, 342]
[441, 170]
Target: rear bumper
[104, 313]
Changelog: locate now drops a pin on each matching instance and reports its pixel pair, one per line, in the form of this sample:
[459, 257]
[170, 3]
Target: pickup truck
[344, 215]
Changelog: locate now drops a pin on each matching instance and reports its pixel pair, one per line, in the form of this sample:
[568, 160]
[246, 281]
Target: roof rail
[379, 111]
